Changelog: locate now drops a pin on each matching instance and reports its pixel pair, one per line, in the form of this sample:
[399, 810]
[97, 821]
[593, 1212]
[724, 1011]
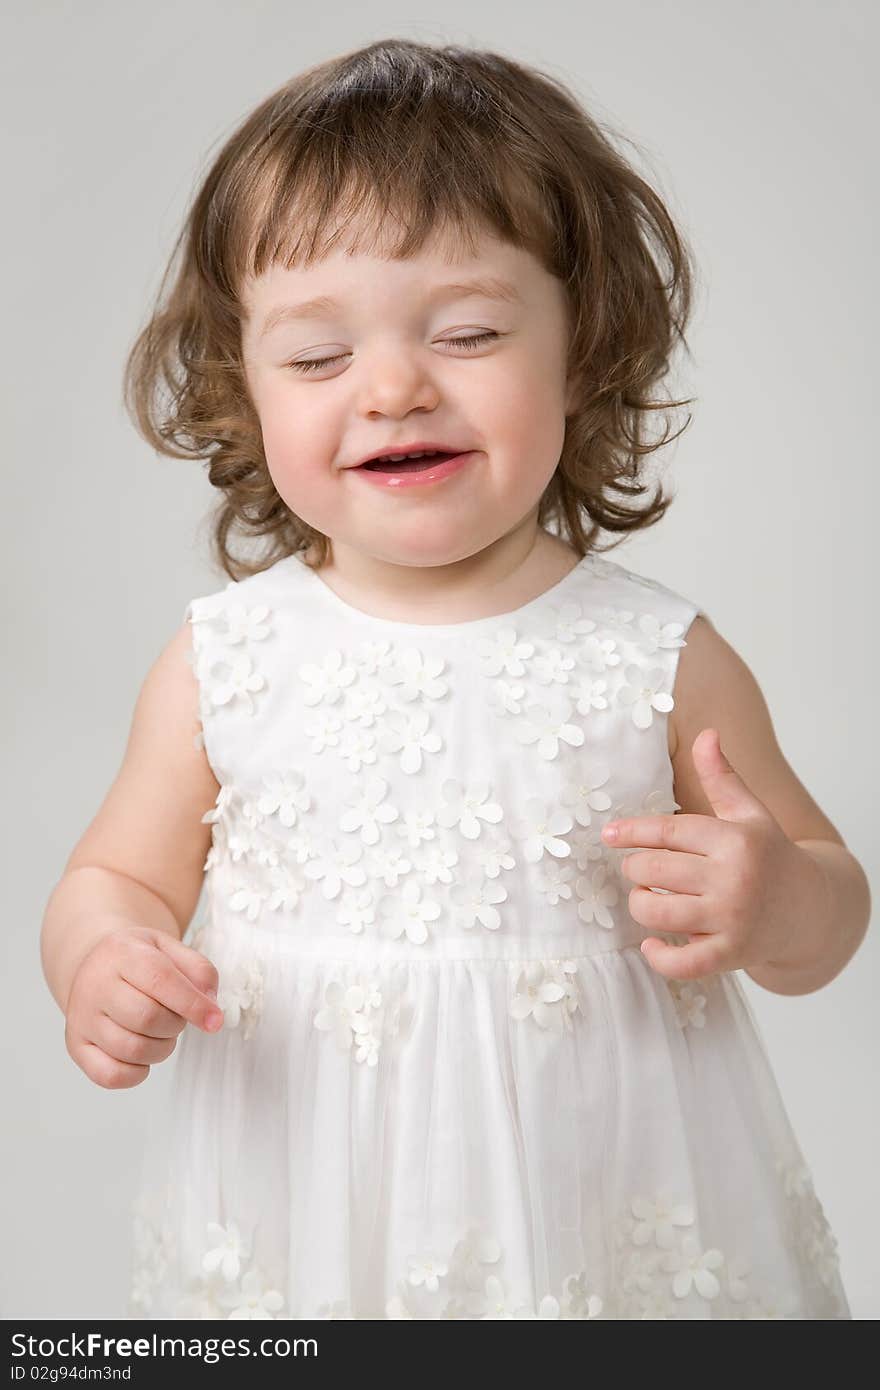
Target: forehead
[348, 266]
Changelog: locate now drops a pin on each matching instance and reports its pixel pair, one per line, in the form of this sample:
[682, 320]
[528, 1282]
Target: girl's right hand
[131, 996]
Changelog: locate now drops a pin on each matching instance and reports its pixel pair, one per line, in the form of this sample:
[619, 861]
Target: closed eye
[470, 343]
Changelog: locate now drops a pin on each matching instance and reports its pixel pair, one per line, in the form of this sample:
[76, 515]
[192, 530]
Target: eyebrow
[489, 287]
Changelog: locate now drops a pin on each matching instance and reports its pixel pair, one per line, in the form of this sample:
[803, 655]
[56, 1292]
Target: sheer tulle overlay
[448, 1084]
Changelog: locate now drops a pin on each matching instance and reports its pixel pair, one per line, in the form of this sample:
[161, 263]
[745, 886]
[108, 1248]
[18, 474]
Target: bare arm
[139, 863]
[715, 688]
[85, 904]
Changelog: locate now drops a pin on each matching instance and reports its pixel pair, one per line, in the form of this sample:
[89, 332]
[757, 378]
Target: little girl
[478, 874]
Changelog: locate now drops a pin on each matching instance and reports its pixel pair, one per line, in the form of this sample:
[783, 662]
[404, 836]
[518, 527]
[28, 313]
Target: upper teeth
[397, 458]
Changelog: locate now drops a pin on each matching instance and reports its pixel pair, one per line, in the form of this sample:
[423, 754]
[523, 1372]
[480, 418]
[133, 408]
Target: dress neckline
[555, 592]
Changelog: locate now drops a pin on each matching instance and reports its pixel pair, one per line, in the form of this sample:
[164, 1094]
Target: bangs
[381, 178]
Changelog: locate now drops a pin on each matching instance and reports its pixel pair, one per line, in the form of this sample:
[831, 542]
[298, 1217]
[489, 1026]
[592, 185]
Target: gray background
[758, 124]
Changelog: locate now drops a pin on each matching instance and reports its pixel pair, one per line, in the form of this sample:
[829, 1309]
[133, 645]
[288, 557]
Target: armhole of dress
[692, 611]
[195, 660]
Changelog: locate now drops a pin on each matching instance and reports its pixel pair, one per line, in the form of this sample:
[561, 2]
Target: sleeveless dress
[448, 1084]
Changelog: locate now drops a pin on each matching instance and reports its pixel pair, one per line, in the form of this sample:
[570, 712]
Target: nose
[395, 381]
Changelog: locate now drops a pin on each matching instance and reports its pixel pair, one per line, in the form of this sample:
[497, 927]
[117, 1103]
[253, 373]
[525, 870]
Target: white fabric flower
[587, 847]
[474, 899]
[416, 676]
[327, 681]
[284, 795]
[253, 1300]
[693, 1268]
[369, 810]
[358, 748]
[416, 826]
[374, 656]
[599, 654]
[690, 1001]
[566, 623]
[475, 1249]
[540, 829]
[656, 635]
[238, 681]
[388, 864]
[224, 800]
[356, 910]
[436, 862]
[553, 881]
[245, 624]
[546, 993]
[227, 1251]
[427, 1270]
[240, 995]
[552, 667]
[467, 806]
[796, 1178]
[583, 797]
[364, 704]
[596, 893]
[642, 691]
[639, 1271]
[493, 1301]
[337, 863]
[407, 912]
[286, 888]
[324, 731]
[503, 651]
[589, 693]
[578, 1301]
[491, 853]
[506, 697]
[656, 1306]
[409, 735]
[546, 723]
[343, 1013]
[396, 1309]
[249, 899]
[657, 1218]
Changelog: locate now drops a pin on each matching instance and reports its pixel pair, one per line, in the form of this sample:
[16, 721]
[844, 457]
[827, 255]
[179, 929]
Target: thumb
[725, 790]
[200, 972]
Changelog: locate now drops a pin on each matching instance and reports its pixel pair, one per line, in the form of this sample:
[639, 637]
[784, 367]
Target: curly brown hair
[432, 136]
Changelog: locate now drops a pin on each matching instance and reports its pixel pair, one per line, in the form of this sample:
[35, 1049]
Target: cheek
[297, 455]
[523, 411]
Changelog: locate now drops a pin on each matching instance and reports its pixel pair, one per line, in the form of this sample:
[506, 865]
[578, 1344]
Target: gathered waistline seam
[322, 957]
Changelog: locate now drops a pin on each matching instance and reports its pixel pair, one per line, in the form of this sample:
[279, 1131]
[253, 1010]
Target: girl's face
[400, 375]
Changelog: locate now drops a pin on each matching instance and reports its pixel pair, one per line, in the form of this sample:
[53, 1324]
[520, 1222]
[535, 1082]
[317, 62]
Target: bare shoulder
[715, 688]
[149, 825]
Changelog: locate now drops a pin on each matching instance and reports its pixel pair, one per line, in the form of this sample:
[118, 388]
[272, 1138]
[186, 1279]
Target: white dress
[448, 1084]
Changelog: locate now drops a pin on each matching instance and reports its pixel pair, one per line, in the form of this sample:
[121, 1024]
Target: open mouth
[406, 465]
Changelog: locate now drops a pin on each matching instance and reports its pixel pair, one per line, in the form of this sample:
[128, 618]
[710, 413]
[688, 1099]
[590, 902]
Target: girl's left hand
[740, 887]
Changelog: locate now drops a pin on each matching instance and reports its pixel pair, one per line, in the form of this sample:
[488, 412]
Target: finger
[106, 1071]
[699, 958]
[672, 912]
[196, 967]
[697, 834]
[126, 1046]
[676, 871]
[140, 1013]
[156, 973]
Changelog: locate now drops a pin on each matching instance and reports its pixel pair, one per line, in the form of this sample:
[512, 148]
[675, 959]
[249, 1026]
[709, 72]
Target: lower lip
[427, 475]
